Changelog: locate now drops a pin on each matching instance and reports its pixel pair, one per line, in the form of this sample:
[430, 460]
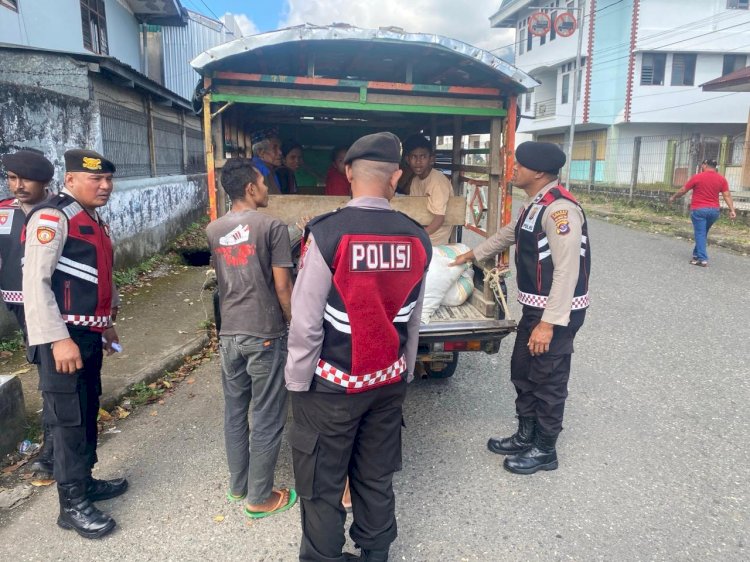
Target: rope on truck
[494, 278]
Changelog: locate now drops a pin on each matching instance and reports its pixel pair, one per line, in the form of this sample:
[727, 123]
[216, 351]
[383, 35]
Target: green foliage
[142, 393]
[14, 343]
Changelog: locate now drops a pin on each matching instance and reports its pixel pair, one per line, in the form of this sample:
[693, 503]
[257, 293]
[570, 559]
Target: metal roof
[737, 81]
[345, 51]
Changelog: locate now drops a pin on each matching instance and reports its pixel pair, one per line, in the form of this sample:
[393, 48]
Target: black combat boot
[516, 443]
[98, 490]
[44, 462]
[541, 456]
[78, 513]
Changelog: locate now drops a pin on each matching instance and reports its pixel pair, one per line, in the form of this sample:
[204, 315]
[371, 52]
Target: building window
[738, 4]
[733, 63]
[94, 23]
[527, 102]
[12, 4]
[529, 44]
[683, 70]
[652, 69]
[565, 89]
[521, 41]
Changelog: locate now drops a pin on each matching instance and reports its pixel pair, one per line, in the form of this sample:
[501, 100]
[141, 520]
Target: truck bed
[450, 321]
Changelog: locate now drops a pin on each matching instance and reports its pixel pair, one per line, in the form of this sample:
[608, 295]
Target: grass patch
[193, 237]
[13, 343]
[142, 393]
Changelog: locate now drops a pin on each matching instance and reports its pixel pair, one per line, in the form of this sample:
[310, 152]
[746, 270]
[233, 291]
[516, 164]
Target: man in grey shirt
[252, 256]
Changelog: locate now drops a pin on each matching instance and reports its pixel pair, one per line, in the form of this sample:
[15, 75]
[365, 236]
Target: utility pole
[574, 102]
[576, 70]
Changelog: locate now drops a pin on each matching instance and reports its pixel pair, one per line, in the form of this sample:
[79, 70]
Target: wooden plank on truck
[291, 208]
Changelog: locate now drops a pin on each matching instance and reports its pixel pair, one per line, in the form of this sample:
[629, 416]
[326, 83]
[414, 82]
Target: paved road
[654, 457]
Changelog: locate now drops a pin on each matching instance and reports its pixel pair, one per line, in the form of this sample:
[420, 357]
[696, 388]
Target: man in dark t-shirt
[252, 256]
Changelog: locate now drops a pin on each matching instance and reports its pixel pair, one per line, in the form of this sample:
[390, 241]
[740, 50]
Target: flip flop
[232, 498]
[278, 508]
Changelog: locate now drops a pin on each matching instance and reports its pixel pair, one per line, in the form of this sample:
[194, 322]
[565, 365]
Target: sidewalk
[160, 322]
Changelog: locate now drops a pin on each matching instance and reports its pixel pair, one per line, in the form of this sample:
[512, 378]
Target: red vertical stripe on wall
[589, 59]
[631, 60]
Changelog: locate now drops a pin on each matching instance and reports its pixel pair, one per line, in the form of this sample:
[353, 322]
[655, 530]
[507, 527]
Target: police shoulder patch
[562, 225]
[45, 235]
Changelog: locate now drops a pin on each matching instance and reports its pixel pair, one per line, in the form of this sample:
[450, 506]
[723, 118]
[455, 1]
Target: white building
[642, 65]
[157, 39]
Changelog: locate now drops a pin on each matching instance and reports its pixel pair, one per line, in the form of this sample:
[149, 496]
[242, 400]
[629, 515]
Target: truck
[326, 86]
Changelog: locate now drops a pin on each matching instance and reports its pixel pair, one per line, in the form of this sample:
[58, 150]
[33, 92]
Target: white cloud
[245, 24]
[468, 22]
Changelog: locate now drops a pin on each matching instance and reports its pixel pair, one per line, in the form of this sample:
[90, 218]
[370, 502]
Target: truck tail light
[462, 346]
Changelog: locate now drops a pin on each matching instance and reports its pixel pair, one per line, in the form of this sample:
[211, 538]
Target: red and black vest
[82, 281]
[12, 224]
[378, 259]
[534, 265]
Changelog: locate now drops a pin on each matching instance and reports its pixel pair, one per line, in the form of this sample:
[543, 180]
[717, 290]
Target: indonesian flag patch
[47, 228]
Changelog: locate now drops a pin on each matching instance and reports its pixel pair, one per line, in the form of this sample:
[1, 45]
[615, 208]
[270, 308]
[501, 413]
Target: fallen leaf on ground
[122, 412]
[152, 386]
[13, 467]
[21, 371]
[104, 415]
[167, 384]
[160, 402]
[219, 518]
[190, 381]
[42, 482]
[181, 332]
[154, 413]
[6, 354]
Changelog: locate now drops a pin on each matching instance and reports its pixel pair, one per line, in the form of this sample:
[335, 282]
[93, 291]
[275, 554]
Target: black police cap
[29, 164]
[380, 147]
[79, 160]
[540, 156]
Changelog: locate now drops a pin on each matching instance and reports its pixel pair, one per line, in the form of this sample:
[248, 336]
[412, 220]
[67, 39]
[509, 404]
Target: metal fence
[125, 139]
[168, 147]
[196, 156]
[652, 167]
[177, 148]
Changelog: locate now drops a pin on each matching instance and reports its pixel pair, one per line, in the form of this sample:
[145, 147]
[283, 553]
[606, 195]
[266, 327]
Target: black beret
[29, 164]
[540, 156]
[380, 147]
[79, 160]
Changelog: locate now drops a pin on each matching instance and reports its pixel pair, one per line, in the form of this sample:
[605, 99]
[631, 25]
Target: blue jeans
[252, 369]
[703, 220]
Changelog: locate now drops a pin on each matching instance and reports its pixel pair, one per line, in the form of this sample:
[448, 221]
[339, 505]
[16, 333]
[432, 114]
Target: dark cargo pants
[335, 435]
[71, 406]
[541, 381]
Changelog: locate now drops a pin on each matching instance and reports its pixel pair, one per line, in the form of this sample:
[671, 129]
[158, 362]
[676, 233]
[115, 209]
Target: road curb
[169, 361]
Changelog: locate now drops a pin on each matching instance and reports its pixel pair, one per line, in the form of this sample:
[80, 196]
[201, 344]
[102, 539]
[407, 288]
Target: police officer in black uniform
[553, 261]
[29, 173]
[68, 292]
[356, 307]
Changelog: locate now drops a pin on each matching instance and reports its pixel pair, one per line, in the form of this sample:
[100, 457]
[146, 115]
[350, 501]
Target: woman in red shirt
[336, 182]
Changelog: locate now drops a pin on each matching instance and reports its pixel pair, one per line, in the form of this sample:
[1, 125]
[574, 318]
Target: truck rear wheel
[442, 370]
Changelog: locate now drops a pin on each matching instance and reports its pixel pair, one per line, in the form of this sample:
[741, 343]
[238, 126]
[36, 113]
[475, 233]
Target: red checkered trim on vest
[540, 301]
[92, 321]
[359, 382]
[13, 297]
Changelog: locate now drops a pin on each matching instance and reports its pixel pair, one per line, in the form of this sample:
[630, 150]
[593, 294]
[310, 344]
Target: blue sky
[451, 18]
[266, 14]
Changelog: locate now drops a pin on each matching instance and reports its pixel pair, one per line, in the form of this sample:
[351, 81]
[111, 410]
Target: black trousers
[542, 381]
[71, 405]
[335, 435]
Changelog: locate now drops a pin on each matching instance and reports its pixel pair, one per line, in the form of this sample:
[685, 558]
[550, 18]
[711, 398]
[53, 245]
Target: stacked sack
[446, 285]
